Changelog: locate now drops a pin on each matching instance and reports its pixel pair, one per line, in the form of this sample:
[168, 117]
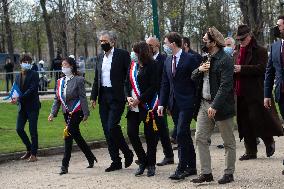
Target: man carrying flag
[24, 93]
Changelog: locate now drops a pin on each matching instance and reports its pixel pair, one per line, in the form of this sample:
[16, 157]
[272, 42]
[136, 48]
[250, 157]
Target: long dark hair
[144, 52]
[72, 62]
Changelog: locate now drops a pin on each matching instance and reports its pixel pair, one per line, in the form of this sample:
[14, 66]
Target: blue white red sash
[134, 84]
[76, 106]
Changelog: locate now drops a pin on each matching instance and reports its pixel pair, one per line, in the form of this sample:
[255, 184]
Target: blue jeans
[32, 116]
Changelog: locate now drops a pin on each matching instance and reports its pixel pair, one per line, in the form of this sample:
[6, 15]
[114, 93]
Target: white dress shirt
[67, 78]
[156, 55]
[106, 67]
[177, 57]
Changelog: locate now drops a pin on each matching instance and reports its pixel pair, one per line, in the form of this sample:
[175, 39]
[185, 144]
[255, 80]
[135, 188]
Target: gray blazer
[75, 89]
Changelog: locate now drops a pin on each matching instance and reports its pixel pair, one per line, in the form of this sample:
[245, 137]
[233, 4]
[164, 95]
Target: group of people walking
[183, 84]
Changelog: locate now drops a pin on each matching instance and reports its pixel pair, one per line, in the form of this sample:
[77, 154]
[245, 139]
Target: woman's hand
[50, 117]
[85, 118]
[130, 100]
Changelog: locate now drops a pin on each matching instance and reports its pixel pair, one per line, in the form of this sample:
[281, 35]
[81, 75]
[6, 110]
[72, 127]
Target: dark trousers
[186, 151]
[251, 144]
[9, 77]
[133, 122]
[163, 132]
[75, 134]
[23, 117]
[281, 105]
[110, 113]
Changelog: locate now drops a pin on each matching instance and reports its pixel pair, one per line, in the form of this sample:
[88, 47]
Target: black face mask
[106, 47]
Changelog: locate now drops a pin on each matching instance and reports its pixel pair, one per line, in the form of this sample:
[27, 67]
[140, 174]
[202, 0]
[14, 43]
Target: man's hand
[204, 67]
[267, 103]
[211, 113]
[237, 68]
[160, 111]
[93, 104]
[14, 100]
[50, 117]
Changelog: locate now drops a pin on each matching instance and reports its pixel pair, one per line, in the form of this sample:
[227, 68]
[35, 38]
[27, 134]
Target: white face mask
[67, 71]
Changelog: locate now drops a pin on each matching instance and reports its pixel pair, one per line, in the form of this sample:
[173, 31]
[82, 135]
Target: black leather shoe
[270, 149]
[283, 172]
[166, 161]
[247, 157]
[91, 162]
[64, 170]
[203, 178]
[114, 167]
[178, 175]
[151, 171]
[190, 172]
[140, 170]
[26, 155]
[227, 178]
[128, 159]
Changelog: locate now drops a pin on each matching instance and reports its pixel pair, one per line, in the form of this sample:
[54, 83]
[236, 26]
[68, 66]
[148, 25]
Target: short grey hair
[111, 34]
[232, 39]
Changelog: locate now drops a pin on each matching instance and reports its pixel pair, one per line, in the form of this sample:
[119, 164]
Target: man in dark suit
[186, 48]
[110, 75]
[28, 107]
[274, 72]
[162, 126]
[178, 86]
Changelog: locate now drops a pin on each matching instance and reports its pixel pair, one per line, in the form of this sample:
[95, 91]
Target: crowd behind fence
[46, 80]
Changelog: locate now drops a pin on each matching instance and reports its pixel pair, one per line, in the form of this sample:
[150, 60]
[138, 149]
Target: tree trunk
[2, 42]
[182, 18]
[39, 52]
[9, 36]
[47, 29]
[253, 17]
[161, 18]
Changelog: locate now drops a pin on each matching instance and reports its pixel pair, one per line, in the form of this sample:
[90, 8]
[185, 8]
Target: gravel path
[260, 173]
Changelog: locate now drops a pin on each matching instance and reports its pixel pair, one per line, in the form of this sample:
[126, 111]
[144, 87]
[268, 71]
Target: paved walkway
[260, 173]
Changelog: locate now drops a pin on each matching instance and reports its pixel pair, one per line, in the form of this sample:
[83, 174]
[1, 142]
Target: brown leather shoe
[26, 156]
[32, 158]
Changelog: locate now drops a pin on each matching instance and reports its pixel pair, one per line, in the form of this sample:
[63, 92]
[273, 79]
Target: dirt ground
[260, 173]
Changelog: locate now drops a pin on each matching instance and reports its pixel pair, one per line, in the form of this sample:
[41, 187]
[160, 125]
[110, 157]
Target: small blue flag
[14, 93]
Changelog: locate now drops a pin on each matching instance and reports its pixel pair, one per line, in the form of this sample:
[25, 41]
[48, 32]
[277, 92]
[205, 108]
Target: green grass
[50, 133]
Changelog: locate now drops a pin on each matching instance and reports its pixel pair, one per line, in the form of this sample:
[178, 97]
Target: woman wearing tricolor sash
[71, 94]
[142, 101]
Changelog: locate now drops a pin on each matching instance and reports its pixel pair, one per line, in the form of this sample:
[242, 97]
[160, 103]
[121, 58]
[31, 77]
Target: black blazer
[147, 81]
[118, 73]
[181, 87]
[29, 101]
[160, 66]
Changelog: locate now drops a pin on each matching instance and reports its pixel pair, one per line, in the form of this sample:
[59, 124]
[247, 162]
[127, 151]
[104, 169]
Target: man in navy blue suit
[275, 71]
[178, 88]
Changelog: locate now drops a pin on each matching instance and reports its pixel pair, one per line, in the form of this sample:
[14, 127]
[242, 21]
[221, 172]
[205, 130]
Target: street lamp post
[155, 19]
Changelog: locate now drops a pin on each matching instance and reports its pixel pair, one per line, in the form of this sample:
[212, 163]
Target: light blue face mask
[26, 66]
[133, 57]
[229, 50]
[167, 50]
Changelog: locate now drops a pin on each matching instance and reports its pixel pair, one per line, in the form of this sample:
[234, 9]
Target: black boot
[64, 170]
[140, 170]
[151, 171]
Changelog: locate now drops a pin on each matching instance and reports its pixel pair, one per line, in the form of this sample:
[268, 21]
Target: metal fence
[47, 80]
